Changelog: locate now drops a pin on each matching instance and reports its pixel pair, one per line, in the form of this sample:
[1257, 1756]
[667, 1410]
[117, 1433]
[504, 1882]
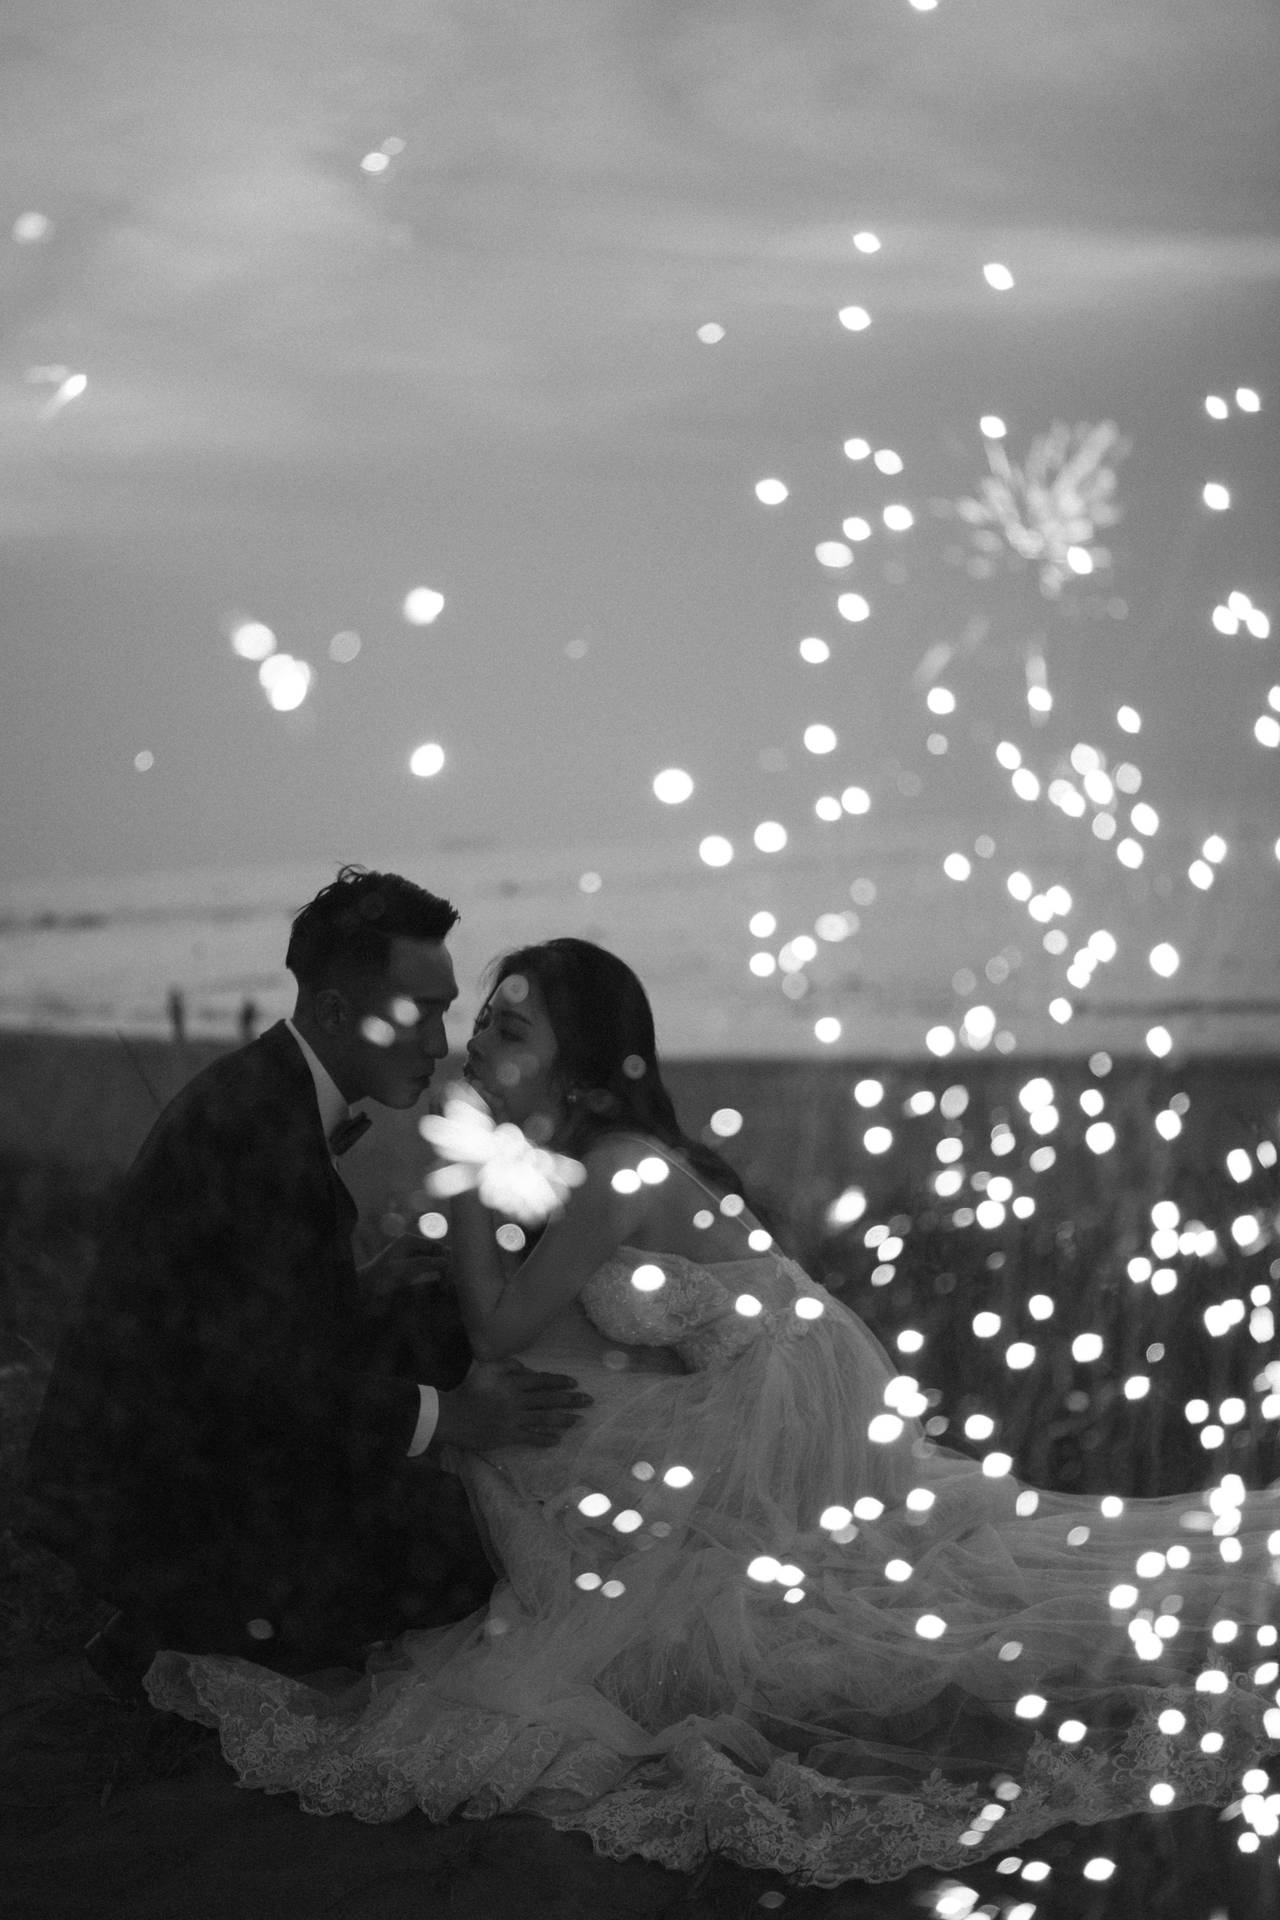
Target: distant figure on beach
[248, 1021]
[177, 1006]
[218, 1455]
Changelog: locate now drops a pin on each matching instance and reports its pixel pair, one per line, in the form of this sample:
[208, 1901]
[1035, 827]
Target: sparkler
[510, 1174]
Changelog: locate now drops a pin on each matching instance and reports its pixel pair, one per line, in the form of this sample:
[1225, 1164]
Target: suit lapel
[285, 1053]
[348, 1211]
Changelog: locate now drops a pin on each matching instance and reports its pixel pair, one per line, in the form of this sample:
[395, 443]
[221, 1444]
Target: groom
[223, 1452]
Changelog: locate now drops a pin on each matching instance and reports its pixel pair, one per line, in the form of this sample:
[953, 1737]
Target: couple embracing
[636, 1531]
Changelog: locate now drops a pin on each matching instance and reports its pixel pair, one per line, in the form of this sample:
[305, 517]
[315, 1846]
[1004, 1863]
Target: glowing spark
[853, 607]
[672, 786]
[997, 276]
[847, 1207]
[285, 681]
[715, 850]
[30, 228]
[833, 553]
[711, 333]
[857, 449]
[820, 739]
[426, 760]
[866, 242]
[771, 493]
[252, 640]
[1216, 497]
[1247, 400]
[144, 761]
[422, 606]
[70, 388]
[770, 836]
[992, 427]
[827, 1030]
[856, 319]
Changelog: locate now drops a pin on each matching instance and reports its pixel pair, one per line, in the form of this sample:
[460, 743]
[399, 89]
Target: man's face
[393, 1031]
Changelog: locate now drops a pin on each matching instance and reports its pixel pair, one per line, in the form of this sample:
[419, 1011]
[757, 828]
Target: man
[223, 1452]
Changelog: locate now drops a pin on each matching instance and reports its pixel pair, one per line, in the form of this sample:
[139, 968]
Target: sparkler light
[426, 760]
[509, 1173]
[285, 681]
[1056, 501]
[423, 606]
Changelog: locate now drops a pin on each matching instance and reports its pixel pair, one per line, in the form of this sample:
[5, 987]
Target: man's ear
[332, 1011]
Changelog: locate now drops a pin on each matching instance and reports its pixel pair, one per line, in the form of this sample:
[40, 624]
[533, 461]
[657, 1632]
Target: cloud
[578, 190]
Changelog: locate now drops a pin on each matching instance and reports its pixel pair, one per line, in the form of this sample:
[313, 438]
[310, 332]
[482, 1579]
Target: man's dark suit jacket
[215, 1420]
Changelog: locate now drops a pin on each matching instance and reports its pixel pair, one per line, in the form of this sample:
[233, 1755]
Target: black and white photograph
[639, 960]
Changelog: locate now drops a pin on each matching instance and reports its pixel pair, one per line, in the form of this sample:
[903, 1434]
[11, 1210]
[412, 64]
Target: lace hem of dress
[821, 1832]
[282, 1736]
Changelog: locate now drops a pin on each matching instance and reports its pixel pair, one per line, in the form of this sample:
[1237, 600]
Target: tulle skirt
[753, 1609]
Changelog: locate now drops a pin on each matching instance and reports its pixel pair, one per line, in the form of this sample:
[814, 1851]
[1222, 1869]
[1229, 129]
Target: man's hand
[409, 1261]
[504, 1404]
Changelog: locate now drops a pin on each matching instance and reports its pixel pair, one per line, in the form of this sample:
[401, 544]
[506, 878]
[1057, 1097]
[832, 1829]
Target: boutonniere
[510, 1174]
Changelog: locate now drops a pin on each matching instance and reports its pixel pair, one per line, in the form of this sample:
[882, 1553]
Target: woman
[747, 1605]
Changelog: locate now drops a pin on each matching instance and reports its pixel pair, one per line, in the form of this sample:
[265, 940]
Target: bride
[746, 1605]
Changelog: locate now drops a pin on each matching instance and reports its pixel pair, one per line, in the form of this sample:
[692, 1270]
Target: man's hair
[345, 933]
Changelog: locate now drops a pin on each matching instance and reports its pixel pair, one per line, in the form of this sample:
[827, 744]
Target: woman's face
[512, 1058]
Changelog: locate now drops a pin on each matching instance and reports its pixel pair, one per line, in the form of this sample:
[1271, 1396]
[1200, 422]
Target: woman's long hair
[606, 1050]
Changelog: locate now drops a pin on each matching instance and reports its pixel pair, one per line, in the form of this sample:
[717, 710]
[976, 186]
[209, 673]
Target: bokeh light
[423, 606]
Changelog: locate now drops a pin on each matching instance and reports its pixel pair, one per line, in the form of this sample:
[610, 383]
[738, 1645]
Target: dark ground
[111, 1810]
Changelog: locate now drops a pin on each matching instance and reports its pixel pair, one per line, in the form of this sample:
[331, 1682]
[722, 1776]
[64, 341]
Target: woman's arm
[504, 1315]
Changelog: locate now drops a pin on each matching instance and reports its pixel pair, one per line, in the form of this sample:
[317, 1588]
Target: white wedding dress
[692, 1648]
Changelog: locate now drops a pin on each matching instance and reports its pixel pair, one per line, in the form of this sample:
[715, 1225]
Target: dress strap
[660, 1148]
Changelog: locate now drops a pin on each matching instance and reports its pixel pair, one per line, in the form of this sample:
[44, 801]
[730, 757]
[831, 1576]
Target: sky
[311, 305]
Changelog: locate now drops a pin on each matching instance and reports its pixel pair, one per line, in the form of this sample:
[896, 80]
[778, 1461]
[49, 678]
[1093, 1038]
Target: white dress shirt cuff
[428, 1419]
